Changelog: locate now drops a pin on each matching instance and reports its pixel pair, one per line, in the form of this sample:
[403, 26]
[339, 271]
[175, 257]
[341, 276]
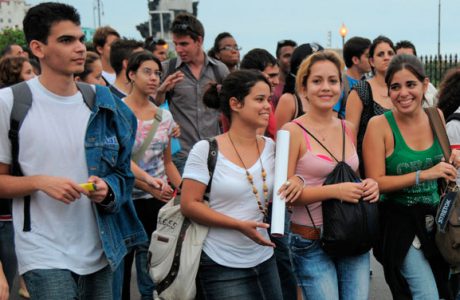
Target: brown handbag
[448, 215]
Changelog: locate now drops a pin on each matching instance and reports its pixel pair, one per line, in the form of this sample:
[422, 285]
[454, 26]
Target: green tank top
[404, 160]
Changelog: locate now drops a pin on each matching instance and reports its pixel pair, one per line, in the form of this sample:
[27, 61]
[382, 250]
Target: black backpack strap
[454, 116]
[22, 101]
[212, 160]
[88, 93]
[217, 75]
[321, 144]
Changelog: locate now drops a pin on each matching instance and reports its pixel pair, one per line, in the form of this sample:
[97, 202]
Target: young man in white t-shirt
[76, 237]
[102, 41]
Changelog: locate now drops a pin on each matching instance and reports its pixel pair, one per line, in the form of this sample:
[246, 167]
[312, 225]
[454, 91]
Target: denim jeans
[323, 277]
[179, 162]
[283, 261]
[7, 252]
[58, 284]
[417, 272]
[147, 211]
[223, 283]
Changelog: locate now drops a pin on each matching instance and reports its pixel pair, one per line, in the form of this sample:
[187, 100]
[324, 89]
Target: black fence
[436, 66]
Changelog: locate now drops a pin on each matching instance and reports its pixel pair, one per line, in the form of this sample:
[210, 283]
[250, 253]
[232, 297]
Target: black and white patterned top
[370, 109]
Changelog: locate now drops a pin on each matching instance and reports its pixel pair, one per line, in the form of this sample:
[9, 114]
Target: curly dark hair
[449, 92]
[10, 70]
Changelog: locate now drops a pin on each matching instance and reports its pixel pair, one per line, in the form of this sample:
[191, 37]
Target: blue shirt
[339, 107]
[108, 142]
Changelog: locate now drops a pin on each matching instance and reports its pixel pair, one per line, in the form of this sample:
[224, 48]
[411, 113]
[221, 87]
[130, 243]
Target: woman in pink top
[319, 275]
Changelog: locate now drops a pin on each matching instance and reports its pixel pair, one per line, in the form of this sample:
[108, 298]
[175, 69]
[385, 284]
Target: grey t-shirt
[197, 122]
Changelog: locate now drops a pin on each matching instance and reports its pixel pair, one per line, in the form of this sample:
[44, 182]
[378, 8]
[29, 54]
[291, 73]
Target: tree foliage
[12, 36]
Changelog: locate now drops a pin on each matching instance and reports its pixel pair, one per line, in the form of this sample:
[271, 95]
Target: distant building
[168, 9]
[12, 13]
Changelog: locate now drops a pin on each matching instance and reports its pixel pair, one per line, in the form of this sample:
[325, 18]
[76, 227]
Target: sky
[261, 23]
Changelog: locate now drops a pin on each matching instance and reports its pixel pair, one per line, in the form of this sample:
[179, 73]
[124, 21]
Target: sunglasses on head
[184, 27]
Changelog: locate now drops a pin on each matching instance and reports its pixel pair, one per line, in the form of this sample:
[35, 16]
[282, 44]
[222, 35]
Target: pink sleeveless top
[315, 168]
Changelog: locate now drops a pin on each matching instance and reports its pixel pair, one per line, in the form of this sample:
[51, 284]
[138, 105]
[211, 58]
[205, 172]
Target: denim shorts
[323, 277]
[223, 283]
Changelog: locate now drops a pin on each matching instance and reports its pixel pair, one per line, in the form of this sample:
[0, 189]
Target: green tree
[12, 36]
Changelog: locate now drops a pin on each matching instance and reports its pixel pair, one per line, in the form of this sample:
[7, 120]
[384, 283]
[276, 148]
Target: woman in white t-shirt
[237, 261]
[144, 71]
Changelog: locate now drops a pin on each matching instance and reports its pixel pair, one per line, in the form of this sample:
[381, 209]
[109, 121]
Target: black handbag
[348, 229]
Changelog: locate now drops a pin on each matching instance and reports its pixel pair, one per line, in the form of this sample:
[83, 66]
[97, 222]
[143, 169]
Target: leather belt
[306, 232]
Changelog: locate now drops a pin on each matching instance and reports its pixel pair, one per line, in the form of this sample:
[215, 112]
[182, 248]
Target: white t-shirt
[63, 236]
[453, 132]
[231, 194]
[110, 77]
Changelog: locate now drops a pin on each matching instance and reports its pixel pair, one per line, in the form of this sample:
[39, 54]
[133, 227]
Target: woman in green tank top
[402, 155]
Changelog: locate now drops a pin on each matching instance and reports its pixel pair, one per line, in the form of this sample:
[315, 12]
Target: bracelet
[301, 178]
[417, 177]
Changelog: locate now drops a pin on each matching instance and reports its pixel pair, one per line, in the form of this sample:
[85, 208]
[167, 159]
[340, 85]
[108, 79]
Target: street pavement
[378, 290]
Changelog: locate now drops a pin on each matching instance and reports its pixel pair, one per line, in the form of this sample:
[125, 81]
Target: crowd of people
[96, 138]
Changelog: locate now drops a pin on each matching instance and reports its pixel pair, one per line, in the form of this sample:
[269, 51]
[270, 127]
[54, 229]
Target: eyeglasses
[230, 48]
[148, 72]
[184, 27]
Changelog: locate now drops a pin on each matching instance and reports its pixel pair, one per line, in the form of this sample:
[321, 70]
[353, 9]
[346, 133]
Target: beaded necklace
[255, 191]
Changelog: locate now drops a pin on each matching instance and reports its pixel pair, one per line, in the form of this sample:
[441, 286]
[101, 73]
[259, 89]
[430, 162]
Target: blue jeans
[283, 261]
[223, 283]
[179, 162]
[323, 277]
[58, 284]
[7, 252]
[417, 272]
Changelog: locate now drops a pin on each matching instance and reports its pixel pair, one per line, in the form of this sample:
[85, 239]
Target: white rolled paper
[281, 167]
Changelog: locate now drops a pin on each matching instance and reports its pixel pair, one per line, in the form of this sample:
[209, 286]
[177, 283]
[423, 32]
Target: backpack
[176, 245]
[349, 229]
[454, 116]
[22, 101]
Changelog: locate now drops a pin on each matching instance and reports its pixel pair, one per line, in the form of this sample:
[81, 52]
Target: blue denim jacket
[108, 142]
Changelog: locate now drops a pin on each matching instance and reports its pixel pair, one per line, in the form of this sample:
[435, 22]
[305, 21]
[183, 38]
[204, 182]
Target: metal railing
[436, 66]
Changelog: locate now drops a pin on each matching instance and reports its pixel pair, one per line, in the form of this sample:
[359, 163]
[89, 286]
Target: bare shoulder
[378, 124]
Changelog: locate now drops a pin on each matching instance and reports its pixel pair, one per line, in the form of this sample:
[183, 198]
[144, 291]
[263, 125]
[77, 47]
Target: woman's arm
[170, 169]
[4, 290]
[377, 146]
[142, 176]
[353, 110]
[285, 110]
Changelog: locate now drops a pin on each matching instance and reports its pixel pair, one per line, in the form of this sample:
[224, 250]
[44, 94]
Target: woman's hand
[350, 191]
[291, 189]
[441, 170]
[175, 131]
[165, 194]
[455, 158]
[249, 229]
[371, 190]
[157, 183]
[4, 290]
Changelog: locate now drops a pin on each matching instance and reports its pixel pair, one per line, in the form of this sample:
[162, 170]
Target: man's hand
[170, 81]
[101, 189]
[59, 188]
